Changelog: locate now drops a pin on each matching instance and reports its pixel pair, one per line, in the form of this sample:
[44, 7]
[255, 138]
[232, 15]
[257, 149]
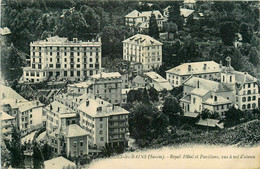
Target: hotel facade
[60, 58]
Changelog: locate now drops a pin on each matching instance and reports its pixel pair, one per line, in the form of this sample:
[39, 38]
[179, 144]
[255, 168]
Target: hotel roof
[208, 122]
[161, 83]
[56, 40]
[100, 108]
[133, 14]
[143, 40]
[5, 116]
[106, 75]
[195, 68]
[61, 109]
[206, 84]
[81, 84]
[199, 91]
[244, 77]
[220, 100]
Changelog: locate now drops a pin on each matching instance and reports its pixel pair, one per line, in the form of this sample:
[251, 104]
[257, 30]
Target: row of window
[249, 92]
[66, 48]
[249, 85]
[249, 98]
[249, 106]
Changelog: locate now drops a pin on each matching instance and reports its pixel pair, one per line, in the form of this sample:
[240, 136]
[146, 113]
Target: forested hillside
[210, 38]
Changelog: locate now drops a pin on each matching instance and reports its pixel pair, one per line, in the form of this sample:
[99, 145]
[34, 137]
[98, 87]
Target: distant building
[60, 58]
[104, 122]
[72, 141]
[207, 70]
[138, 82]
[143, 49]
[189, 4]
[158, 82]
[59, 116]
[5, 31]
[141, 19]
[7, 123]
[28, 114]
[58, 163]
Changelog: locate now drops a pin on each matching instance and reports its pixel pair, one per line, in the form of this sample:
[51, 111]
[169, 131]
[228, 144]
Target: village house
[59, 116]
[140, 20]
[71, 141]
[7, 123]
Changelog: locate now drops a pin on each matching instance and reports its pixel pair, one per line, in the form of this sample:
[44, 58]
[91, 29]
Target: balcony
[119, 126]
[117, 132]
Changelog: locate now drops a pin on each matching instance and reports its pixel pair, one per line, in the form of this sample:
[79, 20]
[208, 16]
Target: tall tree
[153, 27]
[227, 32]
[16, 149]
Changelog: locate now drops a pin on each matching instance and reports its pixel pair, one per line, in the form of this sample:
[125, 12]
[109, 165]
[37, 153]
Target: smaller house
[5, 31]
[138, 82]
[7, 122]
[72, 141]
[211, 123]
[59, 163]
[158, 82]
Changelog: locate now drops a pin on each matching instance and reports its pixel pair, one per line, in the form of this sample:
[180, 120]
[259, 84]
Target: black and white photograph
[126, 84]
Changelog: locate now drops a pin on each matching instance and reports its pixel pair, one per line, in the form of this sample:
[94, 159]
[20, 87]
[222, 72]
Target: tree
[153, 27]
[171, 28]
[16, 149]
[246, 33]
[134, 95]
[175, 15]
[37, 156]
[254, 56]
[154, 94]
[205, 113]
[171, 108]
[145, 96]
[227, 32]
[232, 117]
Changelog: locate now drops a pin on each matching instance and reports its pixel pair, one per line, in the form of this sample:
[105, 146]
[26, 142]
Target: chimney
[215, 98]
[189, 68]
[87, 103]
[220, 64]
[205, 66]
[228, 59]
[198, 84]
[58, 109]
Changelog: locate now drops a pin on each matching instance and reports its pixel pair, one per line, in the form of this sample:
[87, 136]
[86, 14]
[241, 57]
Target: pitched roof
[58, 163]
[244, 77]
[5, 31]
[196, 68]
[57, 39]
[206, 84]
[157, 14]
[162, 83]
[74, 130]
[106, 75]
[199, 91]
[190, 114]
[133, 14]
[139, 79]
[81, 84]
[189, 1]
[143, 40]
[5, 116]
[186, 12]
[220, 100]
[186, 98]
[9, 93]
[61, 109]
[100, 108]
[24, 106]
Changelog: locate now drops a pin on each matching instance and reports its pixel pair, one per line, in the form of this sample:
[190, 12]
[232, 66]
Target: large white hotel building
[143, 49]
[60, 58]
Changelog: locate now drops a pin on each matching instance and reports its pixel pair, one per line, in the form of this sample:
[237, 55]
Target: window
[249, 85]
[249, 92]
[253, 105]
[222, 107]
[248, 98]
[194, 100]
[81, 143]
[101, 138]
[244, 99]
[217, 107]
[100, 132]
[101, 119]
[101, 125]
[75, 144]
[249, 106]
[244, 106]
[254, 98]
[230, 78]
